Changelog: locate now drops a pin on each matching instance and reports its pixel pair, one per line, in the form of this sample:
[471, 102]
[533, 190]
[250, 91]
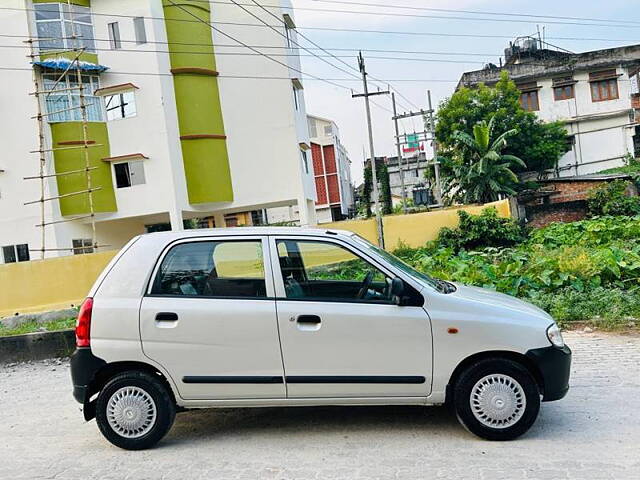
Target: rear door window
[218, 269]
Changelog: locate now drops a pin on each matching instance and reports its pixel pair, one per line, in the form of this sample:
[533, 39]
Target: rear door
[209, 318]
[342, 335]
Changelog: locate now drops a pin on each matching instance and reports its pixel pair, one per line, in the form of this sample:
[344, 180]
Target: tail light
[83, 324]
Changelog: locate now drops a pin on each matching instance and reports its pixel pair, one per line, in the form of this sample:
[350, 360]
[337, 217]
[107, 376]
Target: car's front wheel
[496, 399]
[135, 410]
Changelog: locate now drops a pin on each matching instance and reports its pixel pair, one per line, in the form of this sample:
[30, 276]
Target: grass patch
[30, 327]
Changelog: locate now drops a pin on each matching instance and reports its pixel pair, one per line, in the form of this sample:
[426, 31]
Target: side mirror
[397, 290]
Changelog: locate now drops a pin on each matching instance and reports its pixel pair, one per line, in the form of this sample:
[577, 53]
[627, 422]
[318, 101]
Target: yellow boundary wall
[417, 229]
[51, 284]
[56, 283]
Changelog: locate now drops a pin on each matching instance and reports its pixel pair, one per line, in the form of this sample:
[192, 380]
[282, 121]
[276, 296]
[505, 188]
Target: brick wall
[559, 202]
[544, 215]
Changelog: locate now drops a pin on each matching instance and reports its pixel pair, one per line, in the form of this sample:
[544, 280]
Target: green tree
[538, 143]
[480, 172]
[385, 188]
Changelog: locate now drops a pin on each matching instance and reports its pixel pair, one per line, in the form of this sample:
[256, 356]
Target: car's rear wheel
[135, 410]
[497, 399]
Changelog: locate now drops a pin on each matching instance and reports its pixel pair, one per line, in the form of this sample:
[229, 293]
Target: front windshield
[396, 262]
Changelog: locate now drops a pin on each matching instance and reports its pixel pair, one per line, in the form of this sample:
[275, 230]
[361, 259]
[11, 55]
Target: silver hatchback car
[286, 317]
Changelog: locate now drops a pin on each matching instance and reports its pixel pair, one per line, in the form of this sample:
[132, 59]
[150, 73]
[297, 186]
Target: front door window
[313, 270]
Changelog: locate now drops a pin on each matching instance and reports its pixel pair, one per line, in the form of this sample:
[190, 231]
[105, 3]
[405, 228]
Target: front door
[341, 333]
[209, 319]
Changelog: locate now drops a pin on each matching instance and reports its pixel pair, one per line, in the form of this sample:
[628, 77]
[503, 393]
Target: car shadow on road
[355, 421]
[210, 424]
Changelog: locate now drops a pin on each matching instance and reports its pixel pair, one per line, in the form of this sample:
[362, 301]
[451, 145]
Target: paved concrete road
[594, 433]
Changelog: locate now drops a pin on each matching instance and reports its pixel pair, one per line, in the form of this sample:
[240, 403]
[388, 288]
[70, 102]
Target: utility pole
[417, 136]
[374, 175]
[436, 163]
[400, 165]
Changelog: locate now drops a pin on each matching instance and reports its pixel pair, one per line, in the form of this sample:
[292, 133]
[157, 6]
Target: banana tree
[479, 172]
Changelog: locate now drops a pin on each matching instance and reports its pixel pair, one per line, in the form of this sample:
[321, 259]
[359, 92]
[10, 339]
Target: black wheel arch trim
[90, 373]
[524, 360]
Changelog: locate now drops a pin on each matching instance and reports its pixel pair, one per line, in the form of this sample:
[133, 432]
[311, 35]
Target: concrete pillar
[175, 217]
[218, 218]
[307, 212]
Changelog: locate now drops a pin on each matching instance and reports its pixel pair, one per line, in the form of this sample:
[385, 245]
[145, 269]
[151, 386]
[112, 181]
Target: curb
[37, 346]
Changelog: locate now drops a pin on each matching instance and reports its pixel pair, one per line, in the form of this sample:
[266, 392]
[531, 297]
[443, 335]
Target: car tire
[135, 410]
[496, 399]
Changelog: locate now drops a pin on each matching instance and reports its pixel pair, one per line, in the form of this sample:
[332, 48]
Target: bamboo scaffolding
[70, 172]
[55, 112]
[41, 144]
[64, 195]
[77, 147]
[85, 130]
[63, 221]
[42, 150]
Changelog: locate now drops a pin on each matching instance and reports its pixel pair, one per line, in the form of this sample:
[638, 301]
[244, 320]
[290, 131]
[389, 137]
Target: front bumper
[84, 365]
[554, 365]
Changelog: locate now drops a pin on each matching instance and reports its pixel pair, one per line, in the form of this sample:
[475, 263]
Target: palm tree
[479, 172]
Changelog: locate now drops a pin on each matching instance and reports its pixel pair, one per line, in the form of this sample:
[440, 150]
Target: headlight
[555, 336]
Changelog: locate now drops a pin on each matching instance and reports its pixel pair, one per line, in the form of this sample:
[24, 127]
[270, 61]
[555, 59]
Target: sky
[451, 55]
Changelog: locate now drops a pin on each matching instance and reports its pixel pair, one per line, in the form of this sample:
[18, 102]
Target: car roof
[242, 231]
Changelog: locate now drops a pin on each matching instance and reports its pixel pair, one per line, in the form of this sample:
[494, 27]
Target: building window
[602, 90]
[120, 105]
[328, 130]
[295, 98]
[114, 36]
[141, 33]
[563, 92]
[63, 104]
[305, 161]
[529, 101]
[313, 130]
[289, 28]
[16, 253]
[287, 34]
[82, 245]
[129, 174]
[56, 23]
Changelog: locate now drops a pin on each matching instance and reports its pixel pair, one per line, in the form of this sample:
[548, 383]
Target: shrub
[592, 232]
[580, 271]
[484, 230]
[602, 306]
[613, 199]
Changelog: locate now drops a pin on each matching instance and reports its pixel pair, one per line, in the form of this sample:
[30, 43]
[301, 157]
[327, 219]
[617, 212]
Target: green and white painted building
[184, 121]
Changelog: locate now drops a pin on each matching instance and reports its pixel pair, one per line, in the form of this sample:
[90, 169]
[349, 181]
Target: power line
[222, 45]
[318, 46]
[242, 54]
[352, 30]
[478, 12]
[253, 49]
[254, 77]
[443, 17]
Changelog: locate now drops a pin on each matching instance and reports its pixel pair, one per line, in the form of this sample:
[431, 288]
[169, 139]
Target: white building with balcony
[595, 94]
[183, 122]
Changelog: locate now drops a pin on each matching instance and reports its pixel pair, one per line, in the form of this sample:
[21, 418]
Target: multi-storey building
[595, 94]
[332, 172]
[414, 170]
[182, 121]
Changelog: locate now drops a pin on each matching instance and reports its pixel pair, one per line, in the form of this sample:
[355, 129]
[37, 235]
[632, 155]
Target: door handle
[309, 319]
[167, 317]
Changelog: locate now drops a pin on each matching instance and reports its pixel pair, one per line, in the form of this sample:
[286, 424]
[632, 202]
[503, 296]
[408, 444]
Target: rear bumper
[554, 365]
[84, 365]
